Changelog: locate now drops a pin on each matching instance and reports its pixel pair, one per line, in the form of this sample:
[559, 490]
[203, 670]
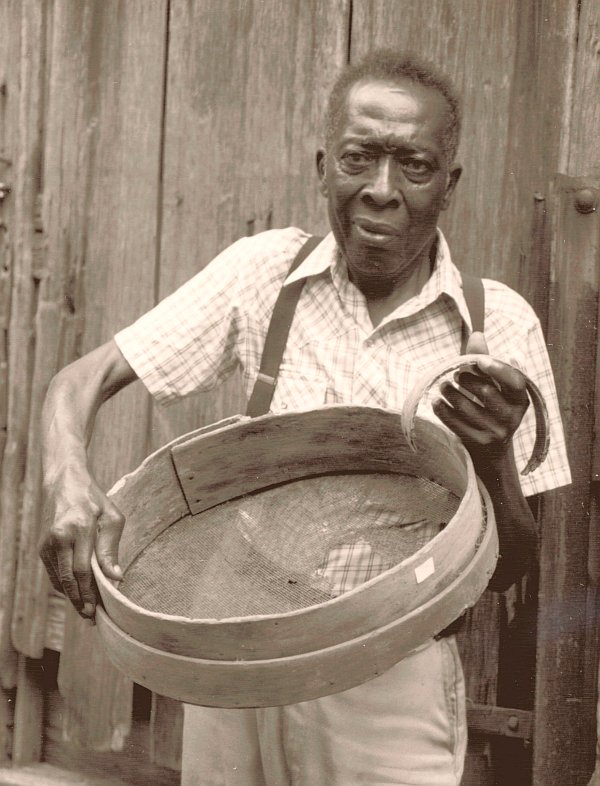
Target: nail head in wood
[585, 200]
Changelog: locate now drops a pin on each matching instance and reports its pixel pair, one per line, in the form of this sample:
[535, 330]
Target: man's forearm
[72, 402]
[80, 516]
[514, 520]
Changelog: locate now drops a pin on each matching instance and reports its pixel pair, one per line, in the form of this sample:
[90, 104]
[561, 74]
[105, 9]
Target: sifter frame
[373, 604]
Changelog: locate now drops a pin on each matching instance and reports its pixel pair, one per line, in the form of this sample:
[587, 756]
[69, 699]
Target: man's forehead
[401, 93]
[402, 106]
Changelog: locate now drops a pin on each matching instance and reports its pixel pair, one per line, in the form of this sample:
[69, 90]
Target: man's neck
[381, 304]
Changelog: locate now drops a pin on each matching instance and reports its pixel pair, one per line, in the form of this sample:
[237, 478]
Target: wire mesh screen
[287, 547]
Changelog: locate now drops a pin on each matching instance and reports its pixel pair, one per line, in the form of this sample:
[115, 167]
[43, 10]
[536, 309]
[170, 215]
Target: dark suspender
[279, 328]
[475, 299]
[277, 334]
[283, 314]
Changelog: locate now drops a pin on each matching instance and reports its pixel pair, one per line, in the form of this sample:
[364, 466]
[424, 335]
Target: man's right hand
[80, 517]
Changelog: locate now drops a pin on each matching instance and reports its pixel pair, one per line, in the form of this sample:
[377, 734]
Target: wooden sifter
[226, 598]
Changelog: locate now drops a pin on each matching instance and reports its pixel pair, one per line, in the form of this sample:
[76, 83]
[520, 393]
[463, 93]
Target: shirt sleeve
[188, 342]
[554, 471]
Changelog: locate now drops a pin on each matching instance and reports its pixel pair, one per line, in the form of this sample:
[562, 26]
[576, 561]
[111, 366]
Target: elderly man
[381, 300]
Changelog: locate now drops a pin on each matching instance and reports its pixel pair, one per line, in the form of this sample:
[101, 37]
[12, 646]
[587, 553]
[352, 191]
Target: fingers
[51, 565]
[485, 409]
[508, 378]
[82, 572]
[468, 433]
[492, 420]
[110, 527]
[70, 542]
[67, 547]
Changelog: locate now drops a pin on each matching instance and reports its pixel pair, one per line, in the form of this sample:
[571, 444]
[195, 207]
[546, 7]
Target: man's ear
[453, 178]
[320, 160]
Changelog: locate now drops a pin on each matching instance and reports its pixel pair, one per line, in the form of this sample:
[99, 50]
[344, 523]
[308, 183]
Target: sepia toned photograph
[299, 393]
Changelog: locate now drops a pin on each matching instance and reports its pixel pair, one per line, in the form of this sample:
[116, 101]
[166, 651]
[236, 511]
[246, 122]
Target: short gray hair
[391, 65]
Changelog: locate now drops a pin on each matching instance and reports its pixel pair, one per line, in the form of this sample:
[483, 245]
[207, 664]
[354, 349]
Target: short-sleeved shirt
[218, 321]
[408, 725]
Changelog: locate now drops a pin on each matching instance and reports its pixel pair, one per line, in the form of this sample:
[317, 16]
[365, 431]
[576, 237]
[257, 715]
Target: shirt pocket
[297, 390]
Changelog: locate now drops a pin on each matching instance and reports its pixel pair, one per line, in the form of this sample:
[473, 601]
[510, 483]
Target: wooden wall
[138, 138]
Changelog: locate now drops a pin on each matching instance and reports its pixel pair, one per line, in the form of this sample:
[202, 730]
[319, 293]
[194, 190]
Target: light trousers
[406, 727]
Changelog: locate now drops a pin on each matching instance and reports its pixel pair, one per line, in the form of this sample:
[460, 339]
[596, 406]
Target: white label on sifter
[425, 570]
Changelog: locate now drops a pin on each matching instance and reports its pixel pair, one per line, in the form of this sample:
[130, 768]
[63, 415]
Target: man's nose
[382, 190]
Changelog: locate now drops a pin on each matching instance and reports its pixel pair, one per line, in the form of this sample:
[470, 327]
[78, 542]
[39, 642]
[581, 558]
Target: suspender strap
[474, 295]
[475, 299]
[277, 335]
[283, 314]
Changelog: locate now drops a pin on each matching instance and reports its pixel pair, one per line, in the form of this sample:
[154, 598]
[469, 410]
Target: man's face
[386, 179]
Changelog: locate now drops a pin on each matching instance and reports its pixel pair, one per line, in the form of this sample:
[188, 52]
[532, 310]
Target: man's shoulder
[260, 264]
[270, 252]
[503, 302]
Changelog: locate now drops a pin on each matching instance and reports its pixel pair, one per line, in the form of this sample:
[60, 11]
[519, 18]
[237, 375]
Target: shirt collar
[444, 280]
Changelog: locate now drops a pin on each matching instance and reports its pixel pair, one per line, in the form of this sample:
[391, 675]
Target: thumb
[110, 527]
[477, 345]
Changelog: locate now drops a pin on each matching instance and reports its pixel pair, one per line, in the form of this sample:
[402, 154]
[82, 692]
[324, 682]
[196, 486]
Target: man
[381, 301]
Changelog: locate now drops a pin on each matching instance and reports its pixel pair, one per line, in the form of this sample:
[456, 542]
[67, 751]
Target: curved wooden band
[542, 429]
[262, 683]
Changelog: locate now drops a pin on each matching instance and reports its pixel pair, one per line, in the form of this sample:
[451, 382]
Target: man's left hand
[485, 426]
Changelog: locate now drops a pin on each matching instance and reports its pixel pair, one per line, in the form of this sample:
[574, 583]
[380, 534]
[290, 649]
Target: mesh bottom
[271, 552]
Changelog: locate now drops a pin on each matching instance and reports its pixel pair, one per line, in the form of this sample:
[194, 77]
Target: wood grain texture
[166, 729]
[26, 148]
[7, 714]
[583, 155]
[564, 715]
[29, 712]
[49, 775]
[279, 681]
[500, 56]
[102, 173]
[260, 453]
[240, 141]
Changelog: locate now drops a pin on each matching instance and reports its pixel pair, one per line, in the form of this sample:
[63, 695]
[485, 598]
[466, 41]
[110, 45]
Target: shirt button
[283, 405]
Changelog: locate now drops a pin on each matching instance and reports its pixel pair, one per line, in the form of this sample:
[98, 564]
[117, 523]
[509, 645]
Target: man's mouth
[375, 232]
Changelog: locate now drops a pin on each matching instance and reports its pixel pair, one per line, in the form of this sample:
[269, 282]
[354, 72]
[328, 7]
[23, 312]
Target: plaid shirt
[218, 320]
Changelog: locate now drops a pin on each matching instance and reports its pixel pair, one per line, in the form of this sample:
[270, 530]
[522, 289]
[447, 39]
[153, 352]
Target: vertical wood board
[240, 140]
[583, 139]
[29, 713]
[26, 144]
[564, 717]
[109, 248]
[499, 56]
[166, 730]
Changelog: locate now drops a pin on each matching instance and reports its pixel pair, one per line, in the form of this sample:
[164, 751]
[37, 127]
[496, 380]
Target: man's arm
[80, 514]
[486, 430]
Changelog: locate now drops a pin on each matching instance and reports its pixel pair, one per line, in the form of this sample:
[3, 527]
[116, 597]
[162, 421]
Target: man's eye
[415, 166]
[356, 158]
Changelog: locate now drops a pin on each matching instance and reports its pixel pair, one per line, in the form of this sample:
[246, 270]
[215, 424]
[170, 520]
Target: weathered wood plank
[100, 201]
[582, 152]
[166, 729]
[7, 713]
[565, 711]
[501, 721]
[250, 131]
[131, 765]
[48, 775]
[482, 68]
[29, 712]
[97, 712]
[564, 716]
[26, 147]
